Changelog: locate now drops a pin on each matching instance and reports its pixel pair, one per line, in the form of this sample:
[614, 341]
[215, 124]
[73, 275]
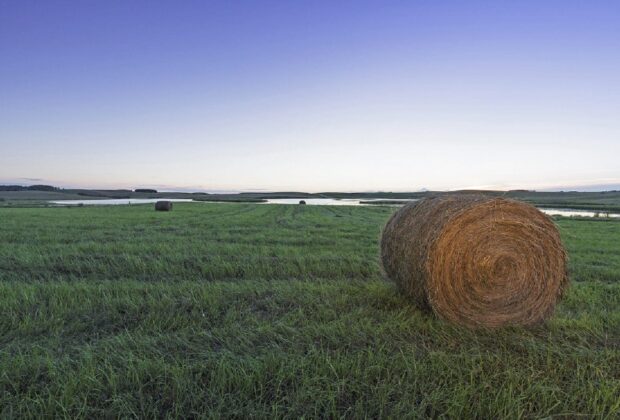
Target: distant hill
[28, 188]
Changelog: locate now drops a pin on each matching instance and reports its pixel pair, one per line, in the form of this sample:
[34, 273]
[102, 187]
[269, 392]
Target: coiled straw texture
[476, 261]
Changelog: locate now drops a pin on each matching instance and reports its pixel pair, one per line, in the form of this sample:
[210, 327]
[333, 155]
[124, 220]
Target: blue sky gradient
[315, 96]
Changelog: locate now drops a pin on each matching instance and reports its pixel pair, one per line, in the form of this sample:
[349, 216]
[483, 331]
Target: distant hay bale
[163, 206]
[302, 201]
[476, 261]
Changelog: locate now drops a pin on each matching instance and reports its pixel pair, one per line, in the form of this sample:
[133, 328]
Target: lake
[312, 202]
[578, 213]
[117, 201]
[332, 201]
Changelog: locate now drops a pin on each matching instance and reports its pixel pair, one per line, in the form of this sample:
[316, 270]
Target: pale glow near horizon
[390, 99]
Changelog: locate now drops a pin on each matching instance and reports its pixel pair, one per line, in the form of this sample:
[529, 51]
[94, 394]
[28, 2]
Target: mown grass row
[198, 241]
[232, 241]
[309, 329]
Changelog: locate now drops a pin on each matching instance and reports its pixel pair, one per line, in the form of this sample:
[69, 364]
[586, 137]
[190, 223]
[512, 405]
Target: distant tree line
[144, 190]
[28, 188]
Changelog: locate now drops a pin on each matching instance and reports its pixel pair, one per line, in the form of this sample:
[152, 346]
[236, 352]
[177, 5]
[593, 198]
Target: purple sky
[310, 95]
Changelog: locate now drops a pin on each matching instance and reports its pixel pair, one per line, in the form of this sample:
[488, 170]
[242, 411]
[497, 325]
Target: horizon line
[590, 187]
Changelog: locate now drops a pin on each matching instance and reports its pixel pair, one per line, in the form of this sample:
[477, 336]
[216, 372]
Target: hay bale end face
[476, 261]
[163, 206]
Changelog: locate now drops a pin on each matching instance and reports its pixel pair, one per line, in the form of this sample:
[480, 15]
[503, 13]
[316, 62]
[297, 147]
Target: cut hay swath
[476, 261]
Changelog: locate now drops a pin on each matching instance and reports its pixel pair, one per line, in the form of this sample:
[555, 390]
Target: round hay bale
[163, 206]
[302, 202]
[476, 261]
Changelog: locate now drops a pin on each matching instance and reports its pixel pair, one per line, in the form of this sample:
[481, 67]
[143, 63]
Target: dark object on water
[302, 201]
[163, 206]
[476, 261]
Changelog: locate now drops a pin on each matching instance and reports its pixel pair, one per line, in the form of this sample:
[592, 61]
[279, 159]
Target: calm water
[580, 213]
[311, 202]
[329, 201]
[356, 202]
[118, 201]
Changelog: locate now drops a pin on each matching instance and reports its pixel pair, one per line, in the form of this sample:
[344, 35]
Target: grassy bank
[243, 309]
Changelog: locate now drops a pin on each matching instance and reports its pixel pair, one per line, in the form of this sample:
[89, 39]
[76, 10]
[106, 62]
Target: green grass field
[248, 310]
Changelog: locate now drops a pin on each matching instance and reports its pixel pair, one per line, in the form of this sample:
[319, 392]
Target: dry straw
[476, 261]
[163, 206]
